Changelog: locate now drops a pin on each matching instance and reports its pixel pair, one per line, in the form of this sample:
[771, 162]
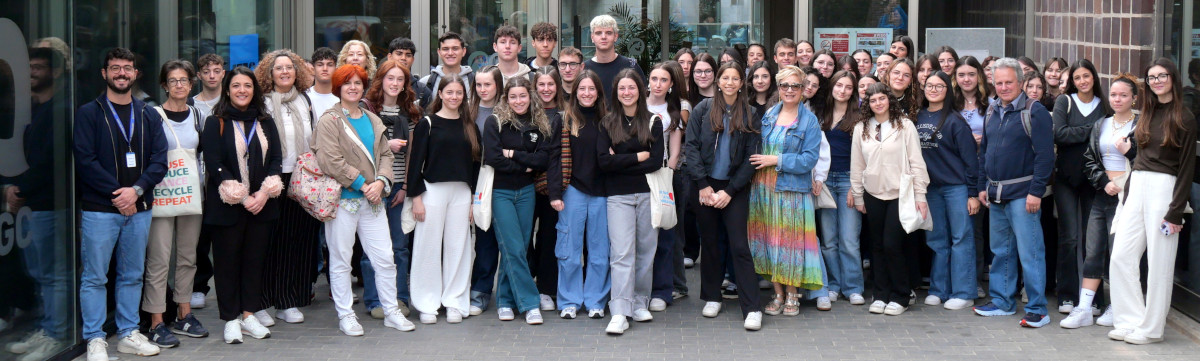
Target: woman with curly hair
[358, 53]
[293, 249]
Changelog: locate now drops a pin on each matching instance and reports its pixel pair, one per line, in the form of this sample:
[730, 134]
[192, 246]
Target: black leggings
[889, 244]
[238, 253]
[735, 217]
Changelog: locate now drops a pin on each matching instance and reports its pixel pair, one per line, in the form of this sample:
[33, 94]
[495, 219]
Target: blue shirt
[720, 167]
[366, 135]
[839, 150]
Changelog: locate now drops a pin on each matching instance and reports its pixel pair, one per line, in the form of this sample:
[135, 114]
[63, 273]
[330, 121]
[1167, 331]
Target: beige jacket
[876, 167]
[342, 156]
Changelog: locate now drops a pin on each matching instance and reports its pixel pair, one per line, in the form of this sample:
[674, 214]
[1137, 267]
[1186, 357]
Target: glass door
[476, 22]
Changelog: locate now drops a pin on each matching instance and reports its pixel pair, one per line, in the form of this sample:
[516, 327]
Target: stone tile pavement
[845, 333]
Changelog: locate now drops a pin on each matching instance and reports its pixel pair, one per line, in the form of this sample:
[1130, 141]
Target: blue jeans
[953, 243]
[49, 262]
[401, 254]
[581, 214]
[1017, 238]
[100, 233]
[840, 229]
[512, 217]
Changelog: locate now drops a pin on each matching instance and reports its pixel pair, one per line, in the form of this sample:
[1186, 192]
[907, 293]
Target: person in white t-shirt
[666, 99]
[212, 71]
[324, 62]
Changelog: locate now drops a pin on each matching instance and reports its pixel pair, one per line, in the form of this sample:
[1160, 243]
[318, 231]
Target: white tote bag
[910, 217]
[825, 199]
[180, 192]
[662, 198]
[408, 222]
[481, 202]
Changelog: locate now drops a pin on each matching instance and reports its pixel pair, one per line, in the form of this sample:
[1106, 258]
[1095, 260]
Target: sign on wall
[844, 41]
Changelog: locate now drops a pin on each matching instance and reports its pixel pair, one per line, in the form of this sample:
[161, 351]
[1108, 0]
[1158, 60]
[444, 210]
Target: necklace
[1118, 125]
[628, 121]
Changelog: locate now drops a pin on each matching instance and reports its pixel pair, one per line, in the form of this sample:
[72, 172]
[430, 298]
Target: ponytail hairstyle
[1173, 111]
[1133, 83]
[465, 113]
[640, 128]
[739, 120]
[675, 96]
[551, 72]
[497, 77]
[572, 116]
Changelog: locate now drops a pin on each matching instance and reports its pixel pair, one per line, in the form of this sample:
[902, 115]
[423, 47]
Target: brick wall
[1117, 36]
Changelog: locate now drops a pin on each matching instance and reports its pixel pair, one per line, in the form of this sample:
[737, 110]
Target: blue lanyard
[250, 135]
[128, 135]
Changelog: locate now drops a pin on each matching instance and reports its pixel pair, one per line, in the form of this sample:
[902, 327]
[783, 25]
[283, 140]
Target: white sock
[1085, 298]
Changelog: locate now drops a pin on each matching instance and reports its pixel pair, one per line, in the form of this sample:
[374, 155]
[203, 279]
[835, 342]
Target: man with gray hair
[1016, 160]
[607, 63]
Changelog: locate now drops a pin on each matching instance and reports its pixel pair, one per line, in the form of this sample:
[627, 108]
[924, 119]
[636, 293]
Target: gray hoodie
[433, 87]
[522, 70]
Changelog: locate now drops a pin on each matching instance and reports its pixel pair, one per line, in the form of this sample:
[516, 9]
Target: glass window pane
[716, 24]
[861, 14]
[375, 22]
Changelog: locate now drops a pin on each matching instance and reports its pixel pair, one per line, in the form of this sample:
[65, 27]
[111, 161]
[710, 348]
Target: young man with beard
[120, 155]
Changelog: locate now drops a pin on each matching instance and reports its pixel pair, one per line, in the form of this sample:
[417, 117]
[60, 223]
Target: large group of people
[783, 167]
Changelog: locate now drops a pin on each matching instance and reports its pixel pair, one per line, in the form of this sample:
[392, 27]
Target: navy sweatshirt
[100, 149]
[949, 152]
[1007, 153]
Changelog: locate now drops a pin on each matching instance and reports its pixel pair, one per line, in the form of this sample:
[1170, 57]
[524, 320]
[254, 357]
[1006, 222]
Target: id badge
[130, 160]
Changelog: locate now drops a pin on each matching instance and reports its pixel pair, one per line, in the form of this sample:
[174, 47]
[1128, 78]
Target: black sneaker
[730, 292]
[189, 326]
[1034, 320]
[161, 336]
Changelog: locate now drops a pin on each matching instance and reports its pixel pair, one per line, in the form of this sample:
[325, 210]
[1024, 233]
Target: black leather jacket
[1093, 164]
[701, 144]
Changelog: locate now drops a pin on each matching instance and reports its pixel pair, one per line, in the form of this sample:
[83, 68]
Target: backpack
[434, 76]
[1026, 116]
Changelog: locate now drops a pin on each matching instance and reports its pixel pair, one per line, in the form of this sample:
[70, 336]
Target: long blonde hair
[345, 52]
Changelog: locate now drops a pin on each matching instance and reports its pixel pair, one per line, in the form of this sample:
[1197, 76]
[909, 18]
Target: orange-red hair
[406, 97]
[346, 72]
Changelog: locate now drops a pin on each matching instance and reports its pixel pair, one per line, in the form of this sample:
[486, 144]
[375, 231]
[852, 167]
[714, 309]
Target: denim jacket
[801, 150]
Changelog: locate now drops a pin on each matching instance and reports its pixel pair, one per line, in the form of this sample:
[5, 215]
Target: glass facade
[1181, 43]
[37, 227]
[375, 22]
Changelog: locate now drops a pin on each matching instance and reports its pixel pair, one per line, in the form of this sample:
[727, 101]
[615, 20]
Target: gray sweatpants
[632, 242]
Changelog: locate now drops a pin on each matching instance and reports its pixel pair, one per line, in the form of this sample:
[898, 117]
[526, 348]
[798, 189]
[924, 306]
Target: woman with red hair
[391, 97]
[352, 147]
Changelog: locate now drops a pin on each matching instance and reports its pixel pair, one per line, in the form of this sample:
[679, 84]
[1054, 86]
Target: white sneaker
[42, 351]
[291, 315]
[1066, 307]
[476, 311]
[857, 299]
[617, 325]
[955, 304]
[894, 309]
[658, 305]
[397, 321]
[711, 309]
[97, 350]
[824, 303]
[533, 317]
[233, 332]
[506, 314]
[428, 318]
[596, 313]
[1079, 317]
[688, 262]
[137, 344]
[1119, 334]
[251, 326]
[753, 321]
[642, 315]
[30, 342]
[877, 307]
[568, 313]
[349, 326]
[264, 318]
[197, 300]
[1106, 319]
[932, 300]
[833, 296]
[547, 302]
[452, 316]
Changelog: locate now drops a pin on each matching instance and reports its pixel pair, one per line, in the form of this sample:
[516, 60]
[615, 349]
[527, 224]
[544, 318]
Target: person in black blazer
[242, 158]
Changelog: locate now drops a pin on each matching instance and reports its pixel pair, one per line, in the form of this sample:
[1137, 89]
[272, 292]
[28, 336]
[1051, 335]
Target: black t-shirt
[608, 71]
[127, 176]
[177, 117]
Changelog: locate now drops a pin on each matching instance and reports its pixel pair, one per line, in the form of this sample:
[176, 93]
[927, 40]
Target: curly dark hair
[895, 115]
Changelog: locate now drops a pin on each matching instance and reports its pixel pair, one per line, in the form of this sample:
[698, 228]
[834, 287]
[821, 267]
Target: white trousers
[373, 232]
[442, 252]
[1138, 231]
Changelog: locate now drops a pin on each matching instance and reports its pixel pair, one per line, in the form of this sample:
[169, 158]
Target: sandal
[792, 306]
[775, 306]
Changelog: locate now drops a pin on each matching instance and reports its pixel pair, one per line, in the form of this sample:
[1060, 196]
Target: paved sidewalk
[847, 332]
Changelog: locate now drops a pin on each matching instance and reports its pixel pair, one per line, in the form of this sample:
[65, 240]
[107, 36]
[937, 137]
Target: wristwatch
[139, 190]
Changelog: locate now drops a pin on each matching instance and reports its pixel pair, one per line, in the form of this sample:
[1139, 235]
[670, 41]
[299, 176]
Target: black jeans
[1099, 240]
[238, 253]
[204, 267]
[890, 245]
[542, 262]
[735, 217]
[1074, 205]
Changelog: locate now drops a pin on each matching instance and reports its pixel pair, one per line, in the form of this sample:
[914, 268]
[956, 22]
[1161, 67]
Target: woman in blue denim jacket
[782, 223]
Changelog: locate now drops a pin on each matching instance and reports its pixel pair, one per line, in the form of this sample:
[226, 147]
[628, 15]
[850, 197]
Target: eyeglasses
[118, 69]
[935, 87]
[702, 72]
[901, 75]
[287, 68]
[791, 86]
[571, 65]
[1158, 78]
[177, 82]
